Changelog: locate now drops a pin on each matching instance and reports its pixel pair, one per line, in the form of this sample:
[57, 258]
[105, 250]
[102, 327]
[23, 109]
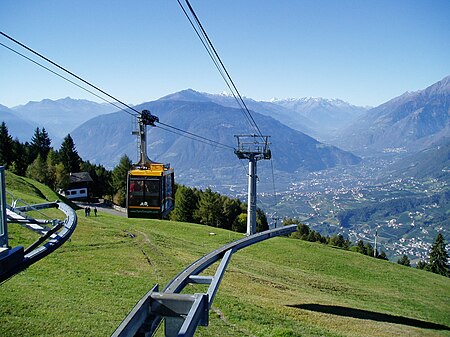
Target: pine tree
[6, 146]
[69, 156]
[20, 158]
[186, 203]
[439, 257]
[369, 249]
[361, 248]
[209, 208]
[40, 144]
[404, 260]
[261, 221]
[422, 265]
[382, 256]
[119, 180]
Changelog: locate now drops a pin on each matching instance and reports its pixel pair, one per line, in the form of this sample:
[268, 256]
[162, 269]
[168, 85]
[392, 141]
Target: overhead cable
[203, 36]
[69, 72]
[203, 139]
[137, 113]
[66, 79]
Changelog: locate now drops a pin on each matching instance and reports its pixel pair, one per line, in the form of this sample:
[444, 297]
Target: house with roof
[78, 186]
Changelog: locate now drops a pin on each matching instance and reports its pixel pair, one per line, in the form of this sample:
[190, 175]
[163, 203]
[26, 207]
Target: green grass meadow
[278, 288]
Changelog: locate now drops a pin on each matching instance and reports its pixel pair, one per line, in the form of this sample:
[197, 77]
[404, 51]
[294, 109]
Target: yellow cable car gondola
[150, 185]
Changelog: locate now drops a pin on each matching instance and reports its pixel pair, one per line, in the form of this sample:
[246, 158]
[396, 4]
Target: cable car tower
[253, 148]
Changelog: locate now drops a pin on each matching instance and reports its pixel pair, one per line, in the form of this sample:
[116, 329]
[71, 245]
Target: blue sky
[365, 52]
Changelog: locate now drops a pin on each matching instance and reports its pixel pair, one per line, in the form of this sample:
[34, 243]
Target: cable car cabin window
[144, 192]
[149, 196]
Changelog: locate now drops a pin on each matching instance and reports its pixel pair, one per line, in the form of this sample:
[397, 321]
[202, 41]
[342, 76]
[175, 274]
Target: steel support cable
[222, 69]
[246, 110]
[215, 61]
[67, 79]
[199, 138]
[69, 72]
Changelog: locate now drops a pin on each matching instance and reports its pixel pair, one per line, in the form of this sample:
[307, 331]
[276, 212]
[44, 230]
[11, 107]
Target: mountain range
[327, 115]
[413, 121]
[416, 123]
[18, 127]
[61, 116]
[107, 137]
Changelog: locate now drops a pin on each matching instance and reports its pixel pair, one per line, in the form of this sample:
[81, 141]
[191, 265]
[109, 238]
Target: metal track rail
[182, 312]
[17, 259]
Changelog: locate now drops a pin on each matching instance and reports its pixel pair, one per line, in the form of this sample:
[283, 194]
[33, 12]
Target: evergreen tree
[69, 156]
[230, 212]
[186, 204]
[209, 208]
[303, 231]
[369, 249]
[6, 146]
[422, 265]
[439, 257]
[20, 158]
[361, 248]
[62, 178]
[119, 177]
[261, 221]
[339, 241]
[382, 256]
[404, 260]
[40, 144]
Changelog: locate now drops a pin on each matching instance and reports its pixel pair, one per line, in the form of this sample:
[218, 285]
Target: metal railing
[182, 313]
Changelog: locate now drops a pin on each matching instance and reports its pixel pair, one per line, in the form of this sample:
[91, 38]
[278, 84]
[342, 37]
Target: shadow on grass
[374, 316]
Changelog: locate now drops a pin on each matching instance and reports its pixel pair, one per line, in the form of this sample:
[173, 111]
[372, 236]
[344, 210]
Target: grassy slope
[281, 287]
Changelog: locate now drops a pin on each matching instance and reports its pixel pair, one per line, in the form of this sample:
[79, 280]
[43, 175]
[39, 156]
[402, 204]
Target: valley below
[359, 201]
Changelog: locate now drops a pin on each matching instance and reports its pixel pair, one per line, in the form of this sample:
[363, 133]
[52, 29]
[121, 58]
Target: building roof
[80, 177]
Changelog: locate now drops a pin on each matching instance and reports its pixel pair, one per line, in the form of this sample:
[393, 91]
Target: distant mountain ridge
[412, 121]
[329, 115]
[106, 138]
[17, 127]
[316, 117]
[61, 116]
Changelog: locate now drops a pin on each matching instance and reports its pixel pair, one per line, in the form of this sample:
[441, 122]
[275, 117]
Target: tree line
[213, 209]
[437, 260]
[305, 233]
[39, 161]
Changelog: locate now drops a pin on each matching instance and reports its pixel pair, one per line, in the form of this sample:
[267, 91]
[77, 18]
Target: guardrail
[17, 258]
[184, 312]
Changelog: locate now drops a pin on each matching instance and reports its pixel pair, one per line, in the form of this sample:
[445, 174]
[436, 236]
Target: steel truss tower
[253, 148]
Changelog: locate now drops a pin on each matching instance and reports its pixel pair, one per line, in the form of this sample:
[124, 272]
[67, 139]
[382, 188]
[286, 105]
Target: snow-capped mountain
[328, 115]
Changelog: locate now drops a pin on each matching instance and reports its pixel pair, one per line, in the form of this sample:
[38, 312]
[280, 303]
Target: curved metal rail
[184, 312]
[53, 233]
